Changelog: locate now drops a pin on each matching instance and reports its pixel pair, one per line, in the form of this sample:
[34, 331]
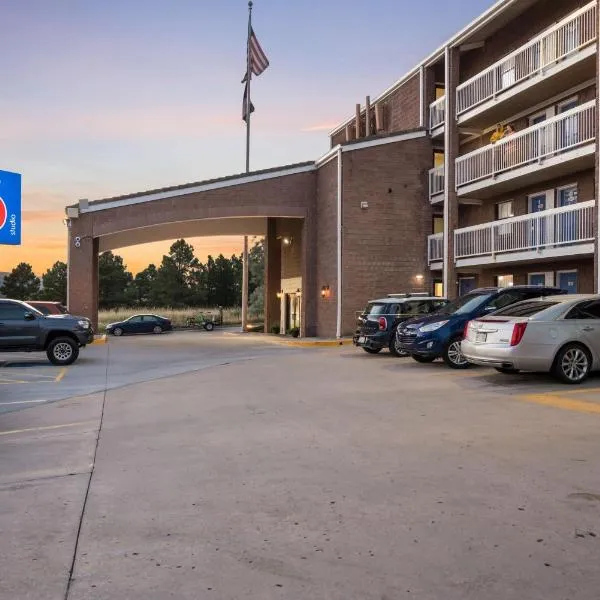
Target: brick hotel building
[478, 167]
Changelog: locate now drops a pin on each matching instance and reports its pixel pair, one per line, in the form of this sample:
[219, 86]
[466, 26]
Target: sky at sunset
[106, 98]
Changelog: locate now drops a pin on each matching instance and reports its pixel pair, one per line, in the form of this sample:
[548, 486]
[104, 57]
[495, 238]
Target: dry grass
[177, 316]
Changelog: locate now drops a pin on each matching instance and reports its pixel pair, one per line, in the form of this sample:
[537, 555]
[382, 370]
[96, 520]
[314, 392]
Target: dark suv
[426, 339]
[25, 329]
[376, 327]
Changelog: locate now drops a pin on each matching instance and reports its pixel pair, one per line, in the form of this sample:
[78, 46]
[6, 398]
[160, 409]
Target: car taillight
[517, 334]
[466, 330]
[382, 324]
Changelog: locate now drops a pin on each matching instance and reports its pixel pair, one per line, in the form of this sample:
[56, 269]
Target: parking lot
[217, 465]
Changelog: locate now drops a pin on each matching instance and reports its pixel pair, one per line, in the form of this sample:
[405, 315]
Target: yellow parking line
[563, 403]
[61, 375]
[46, 428]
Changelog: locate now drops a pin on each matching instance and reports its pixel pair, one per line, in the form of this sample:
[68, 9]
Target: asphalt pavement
[229, 467]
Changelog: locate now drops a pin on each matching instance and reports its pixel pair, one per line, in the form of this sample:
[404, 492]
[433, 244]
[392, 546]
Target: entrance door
[288, 312]
[567, 280]
[465, 285]
[540, 139]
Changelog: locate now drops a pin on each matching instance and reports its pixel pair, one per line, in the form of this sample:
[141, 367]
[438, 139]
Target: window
[590, 309]
[438, 289]
[12, 312]
[505, 299]
[504, 210]
[504, 281]
[376, 309]
[525, 309]
[135, 319]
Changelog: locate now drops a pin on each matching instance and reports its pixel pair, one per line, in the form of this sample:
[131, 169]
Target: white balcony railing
[555, 136]
[436, 181]
[564, 39]
[435, 247]
[437, 113]
[563, 226]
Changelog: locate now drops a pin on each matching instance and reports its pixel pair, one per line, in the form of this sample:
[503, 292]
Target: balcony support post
[451, 150]
[596, 216]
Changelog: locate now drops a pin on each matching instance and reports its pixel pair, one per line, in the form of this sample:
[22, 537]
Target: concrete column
[451, 150]
[82, 293]
[245, 285]
[272, 276]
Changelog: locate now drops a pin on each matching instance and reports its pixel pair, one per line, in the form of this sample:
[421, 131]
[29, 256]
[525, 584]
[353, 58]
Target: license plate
[480, 338]
[362, 339]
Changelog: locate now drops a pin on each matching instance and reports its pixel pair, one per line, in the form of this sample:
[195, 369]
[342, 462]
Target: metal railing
[554, 136]
[437, 178]
[564, 39]
[437, 113]
[572, 224]
[435, 247]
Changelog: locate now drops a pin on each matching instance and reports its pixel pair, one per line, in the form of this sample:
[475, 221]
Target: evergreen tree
[55, 283]
[113, 281]
[21, 283]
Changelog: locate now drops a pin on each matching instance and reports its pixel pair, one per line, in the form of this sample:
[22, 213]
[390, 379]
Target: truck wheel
[62, 351]
[209, 326]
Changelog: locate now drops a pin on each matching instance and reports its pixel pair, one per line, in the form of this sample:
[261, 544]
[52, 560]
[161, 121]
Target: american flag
[258, 63]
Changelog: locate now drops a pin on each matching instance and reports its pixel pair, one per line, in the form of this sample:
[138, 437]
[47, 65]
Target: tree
[21, 283]
[177, 276]
[113, 281]
[54, 282]
[256, 285]
[140, 290]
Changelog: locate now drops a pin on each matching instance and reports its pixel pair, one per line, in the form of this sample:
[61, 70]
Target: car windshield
[465, 304]
[375, 308]
[524, 309]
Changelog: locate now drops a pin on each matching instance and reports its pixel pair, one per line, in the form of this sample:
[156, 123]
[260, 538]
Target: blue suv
[440, 334]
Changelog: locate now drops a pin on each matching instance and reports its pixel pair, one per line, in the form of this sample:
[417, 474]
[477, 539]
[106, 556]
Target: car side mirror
[29, 316]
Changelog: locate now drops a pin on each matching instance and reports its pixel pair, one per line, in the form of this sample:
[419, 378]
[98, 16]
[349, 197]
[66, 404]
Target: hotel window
[504, 210]
[504, 281]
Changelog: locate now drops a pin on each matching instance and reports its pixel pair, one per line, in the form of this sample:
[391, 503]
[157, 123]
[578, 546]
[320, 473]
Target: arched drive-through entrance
[277, 203]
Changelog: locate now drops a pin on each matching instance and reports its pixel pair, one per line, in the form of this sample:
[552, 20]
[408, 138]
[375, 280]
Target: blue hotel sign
[10, 208]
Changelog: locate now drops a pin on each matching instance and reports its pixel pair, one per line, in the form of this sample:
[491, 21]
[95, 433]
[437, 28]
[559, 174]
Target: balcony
[558, 146]
[565, 231]
[437, 178]
[437, 116]
[557, 59]
[435, 250]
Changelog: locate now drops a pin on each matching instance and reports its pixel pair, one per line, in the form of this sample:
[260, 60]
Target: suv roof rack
[410, 295]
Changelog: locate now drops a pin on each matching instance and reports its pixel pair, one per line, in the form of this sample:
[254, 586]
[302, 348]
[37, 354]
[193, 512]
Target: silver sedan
[557, 334]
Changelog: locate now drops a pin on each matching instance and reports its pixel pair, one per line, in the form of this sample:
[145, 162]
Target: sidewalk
[290, 341]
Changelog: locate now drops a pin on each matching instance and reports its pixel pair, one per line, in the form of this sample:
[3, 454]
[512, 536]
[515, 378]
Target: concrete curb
[99, 339]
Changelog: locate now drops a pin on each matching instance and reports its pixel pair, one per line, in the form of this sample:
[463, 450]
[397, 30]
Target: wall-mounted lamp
[287, 241]
[280, 294]
[419, 277]
[298, 293]
[325, 291]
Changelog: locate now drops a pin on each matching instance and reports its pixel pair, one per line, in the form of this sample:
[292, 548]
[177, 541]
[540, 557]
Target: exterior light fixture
[419, 277]
[280, 294]
[325, 291]
[298, 293]
[287, 241]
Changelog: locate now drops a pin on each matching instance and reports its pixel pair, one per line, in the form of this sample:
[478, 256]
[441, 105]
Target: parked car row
[520, 328]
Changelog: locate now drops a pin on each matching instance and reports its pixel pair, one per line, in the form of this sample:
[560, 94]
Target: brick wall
[326, 247]
[385, 245]
[401, 108]
[541, 15]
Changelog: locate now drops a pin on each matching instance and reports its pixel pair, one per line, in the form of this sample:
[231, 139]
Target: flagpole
[245, 266]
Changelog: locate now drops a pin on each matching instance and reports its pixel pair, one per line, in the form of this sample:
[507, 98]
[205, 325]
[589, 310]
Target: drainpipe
[338, 328]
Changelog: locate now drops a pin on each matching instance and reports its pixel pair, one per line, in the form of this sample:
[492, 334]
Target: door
[134, 325]
[540, 139]
[566, 223]
[538, 229]
[465, 285]
[587, 316]
[568, 128]
[567, 280]
[15, 329]
[147, 324]
[288, 312]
